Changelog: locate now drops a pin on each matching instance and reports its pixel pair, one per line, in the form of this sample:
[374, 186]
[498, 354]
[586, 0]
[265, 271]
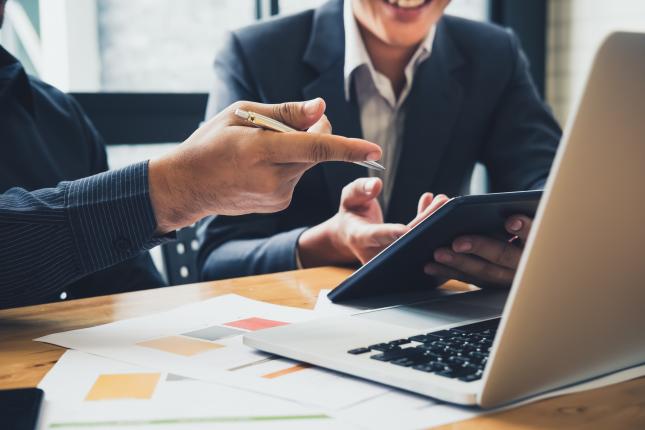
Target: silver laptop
[575, 309]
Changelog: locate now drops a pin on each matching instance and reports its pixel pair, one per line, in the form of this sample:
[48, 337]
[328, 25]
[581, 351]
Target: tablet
[398, 269]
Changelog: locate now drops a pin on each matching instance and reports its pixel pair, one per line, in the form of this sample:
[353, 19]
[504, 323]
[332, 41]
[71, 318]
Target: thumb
[431, 206]
[519, 225]
[299, 115]
[360, 191]
[424, 202]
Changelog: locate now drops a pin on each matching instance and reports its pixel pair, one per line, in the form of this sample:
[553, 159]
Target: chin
[403, 39]
[407, 11]
[407, 22]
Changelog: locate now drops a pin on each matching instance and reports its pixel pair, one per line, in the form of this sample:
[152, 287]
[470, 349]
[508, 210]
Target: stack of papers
[188, 368]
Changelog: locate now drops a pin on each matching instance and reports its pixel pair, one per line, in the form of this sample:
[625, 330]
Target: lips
[407, 4]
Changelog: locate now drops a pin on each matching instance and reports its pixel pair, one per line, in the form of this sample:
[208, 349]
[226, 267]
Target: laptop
[575, 309]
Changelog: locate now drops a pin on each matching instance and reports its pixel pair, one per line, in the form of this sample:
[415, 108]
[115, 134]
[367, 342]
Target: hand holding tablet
[484, 219]
[476, 259]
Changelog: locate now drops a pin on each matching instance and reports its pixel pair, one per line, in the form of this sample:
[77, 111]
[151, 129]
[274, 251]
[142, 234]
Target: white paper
[403, 411]
[325, 307]
[175, 404]
[235, 364]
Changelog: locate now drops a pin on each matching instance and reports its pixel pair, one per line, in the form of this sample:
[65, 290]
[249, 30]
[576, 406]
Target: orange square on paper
[255, 323]
[124, 386]
[180, 345]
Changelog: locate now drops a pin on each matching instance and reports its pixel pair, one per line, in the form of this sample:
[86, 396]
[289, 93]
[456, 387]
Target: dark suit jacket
[472, 101]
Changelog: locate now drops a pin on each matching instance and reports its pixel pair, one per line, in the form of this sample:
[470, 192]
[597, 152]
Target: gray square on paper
[213, 333]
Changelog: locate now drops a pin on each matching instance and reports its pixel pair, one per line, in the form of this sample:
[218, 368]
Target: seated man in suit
[437, 93]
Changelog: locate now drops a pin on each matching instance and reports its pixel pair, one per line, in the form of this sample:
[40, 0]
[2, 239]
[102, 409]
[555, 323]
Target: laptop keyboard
[460, 352]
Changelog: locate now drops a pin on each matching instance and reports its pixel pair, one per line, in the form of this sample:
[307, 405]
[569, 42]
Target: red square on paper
[254, 324]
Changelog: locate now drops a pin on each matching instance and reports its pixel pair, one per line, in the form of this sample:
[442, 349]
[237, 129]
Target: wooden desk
[24, 362]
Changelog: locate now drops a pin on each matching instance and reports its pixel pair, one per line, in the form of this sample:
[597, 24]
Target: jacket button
[122, 244]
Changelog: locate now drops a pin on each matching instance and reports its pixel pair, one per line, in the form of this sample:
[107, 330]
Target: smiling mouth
[407, 4]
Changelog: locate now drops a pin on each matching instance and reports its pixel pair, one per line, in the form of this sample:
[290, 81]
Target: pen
[272, 124]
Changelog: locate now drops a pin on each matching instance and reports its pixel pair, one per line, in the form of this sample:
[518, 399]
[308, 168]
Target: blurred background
[168, 46]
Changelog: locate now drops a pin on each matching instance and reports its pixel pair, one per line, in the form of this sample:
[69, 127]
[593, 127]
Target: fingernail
[429, 270]
[373, 156]
[369, 186]
[516, 225]
[312, 107]
[396, 236]
[463, 246]
[443, 257]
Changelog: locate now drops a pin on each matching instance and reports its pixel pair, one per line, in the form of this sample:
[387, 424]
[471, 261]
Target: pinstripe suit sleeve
[51, 237]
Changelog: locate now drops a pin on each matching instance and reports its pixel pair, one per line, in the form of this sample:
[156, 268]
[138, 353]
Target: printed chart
[84, 391]
[204, 341]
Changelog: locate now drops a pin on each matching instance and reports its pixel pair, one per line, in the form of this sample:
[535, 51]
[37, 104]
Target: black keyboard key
[429, 354]
[475, 360]
[454, 372]
[441, 334]
[440, 344]
[470, 378]
[405, 362]
[397, 353]
[358, 351]
[382, 347]
[418, 338]
[399, 342]
[430, 367]
[466, 349]
[455, 360]
[427, 367]
[414, 360]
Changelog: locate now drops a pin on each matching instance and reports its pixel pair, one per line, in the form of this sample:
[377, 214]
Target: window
[122, 45]
[164, 45]
[576, 29]
[293, 6]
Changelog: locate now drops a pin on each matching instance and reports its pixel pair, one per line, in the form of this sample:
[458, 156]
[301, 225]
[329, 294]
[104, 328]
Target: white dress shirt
[382, 118]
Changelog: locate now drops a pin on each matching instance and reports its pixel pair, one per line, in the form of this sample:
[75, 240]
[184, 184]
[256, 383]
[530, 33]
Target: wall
[576, 29]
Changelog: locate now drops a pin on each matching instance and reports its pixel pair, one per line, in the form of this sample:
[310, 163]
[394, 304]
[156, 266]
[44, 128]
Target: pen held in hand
[272, 124]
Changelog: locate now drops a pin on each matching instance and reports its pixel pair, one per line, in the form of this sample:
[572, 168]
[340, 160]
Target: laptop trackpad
[439, 312]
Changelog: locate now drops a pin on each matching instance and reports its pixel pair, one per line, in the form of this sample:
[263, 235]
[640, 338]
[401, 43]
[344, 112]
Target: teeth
[408, 4]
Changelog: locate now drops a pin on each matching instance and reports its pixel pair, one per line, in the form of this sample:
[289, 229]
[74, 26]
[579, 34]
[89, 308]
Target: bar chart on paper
[85, 391]
[204, 341]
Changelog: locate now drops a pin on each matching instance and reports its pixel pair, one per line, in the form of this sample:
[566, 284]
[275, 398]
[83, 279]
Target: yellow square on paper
[180, 345]
[124, 386]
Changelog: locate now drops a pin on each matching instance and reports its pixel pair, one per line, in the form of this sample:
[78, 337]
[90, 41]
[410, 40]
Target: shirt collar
[356, 54]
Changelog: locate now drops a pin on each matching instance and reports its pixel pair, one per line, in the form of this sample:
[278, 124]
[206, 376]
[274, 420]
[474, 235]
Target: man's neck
[388, 60]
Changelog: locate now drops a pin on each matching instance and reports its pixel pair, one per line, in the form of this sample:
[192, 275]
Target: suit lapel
[325, 53]
[431, 111]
